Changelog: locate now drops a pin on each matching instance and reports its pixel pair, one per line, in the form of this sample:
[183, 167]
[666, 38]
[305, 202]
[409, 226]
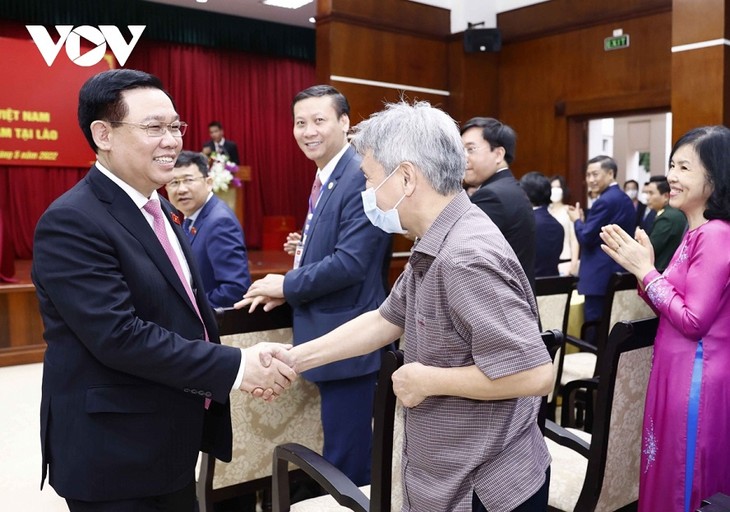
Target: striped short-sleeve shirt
[464, 299]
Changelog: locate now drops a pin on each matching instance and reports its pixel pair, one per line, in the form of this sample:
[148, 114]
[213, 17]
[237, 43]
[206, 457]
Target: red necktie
[158, 225]
[316, 189]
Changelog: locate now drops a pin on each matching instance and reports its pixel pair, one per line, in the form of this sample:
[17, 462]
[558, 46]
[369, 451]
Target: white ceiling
[463, 11]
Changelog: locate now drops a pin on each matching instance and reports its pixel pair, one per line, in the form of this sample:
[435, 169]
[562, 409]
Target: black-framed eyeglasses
[184, 181]
[176, 129]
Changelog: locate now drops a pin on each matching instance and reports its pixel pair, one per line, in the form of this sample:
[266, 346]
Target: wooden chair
[385, 492]
[257, 426]
[341, 491]
[553, 303]
[600, 471]
[622, 303]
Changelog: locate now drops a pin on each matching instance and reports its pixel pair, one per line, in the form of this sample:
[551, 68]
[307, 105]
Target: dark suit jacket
[340, 274]
[504, 201]
[122, 412]
[613, 206]
[548, 244]
[220, 252]
[669, 228]
[229, 148]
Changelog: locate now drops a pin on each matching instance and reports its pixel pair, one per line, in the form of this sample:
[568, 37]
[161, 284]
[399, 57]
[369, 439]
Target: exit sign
[616, 42]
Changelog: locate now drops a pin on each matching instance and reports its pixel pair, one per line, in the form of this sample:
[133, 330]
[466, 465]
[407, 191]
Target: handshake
[269, 370]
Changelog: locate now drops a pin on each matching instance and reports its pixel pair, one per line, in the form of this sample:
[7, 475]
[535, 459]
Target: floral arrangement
[223, 172]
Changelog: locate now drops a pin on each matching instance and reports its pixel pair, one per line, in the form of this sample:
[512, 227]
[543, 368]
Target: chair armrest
[567, 397]
[565, 437]
[581, 344]
[334, 481]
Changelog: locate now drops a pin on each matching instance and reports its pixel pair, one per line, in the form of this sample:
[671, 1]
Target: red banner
[38, 122]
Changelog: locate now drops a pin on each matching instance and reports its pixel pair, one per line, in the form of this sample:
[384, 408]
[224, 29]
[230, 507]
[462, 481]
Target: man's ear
[101, 133]
[345, 123]
[409, 178]
[501, 152]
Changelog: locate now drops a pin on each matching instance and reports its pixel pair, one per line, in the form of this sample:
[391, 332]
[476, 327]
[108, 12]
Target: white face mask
[387, 221]
[632, 194]
[642, 197]
[556, 194]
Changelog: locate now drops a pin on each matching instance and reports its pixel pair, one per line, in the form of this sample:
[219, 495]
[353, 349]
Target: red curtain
[249, 94]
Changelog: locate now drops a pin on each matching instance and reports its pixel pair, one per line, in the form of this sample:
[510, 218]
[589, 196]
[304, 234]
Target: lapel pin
[330, 185]
[175, 219]
[193, 230]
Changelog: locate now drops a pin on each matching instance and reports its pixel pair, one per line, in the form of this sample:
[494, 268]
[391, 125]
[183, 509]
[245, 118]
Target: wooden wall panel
[691, 23]
[387, 56]
[558, 16]
[398, 15]
[539, 79]
[473, 82]
[696, 97]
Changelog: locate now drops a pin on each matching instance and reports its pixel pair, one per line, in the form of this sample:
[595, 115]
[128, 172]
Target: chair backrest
[385, 435]
[553, 300]
[385, 462]
[257, 426]
[622, 303]
[612, 476]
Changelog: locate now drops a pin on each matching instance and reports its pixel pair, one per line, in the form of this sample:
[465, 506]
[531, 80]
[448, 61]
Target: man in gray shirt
[475, 364]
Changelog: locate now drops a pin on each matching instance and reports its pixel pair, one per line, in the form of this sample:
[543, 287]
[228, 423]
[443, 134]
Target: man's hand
[292, 241]
[575, 213]
[268, 291]
[408, 384]
[263, 380]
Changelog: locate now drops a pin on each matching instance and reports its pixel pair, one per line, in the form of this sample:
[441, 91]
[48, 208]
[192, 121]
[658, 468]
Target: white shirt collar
[139, 198]
[195, 214]
[324, 174]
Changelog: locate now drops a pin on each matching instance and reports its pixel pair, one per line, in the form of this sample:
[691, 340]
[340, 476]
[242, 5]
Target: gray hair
[419, 133]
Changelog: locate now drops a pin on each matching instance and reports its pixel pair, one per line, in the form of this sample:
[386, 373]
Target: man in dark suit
[131, 388]
[549, 232]
[213, 230]
[613, 206]
[490, 149]
[337, 275]
[669, 225]
[644, 214]
[219, 144]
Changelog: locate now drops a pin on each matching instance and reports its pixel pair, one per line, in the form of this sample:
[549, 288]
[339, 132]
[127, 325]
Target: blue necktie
[186, 227]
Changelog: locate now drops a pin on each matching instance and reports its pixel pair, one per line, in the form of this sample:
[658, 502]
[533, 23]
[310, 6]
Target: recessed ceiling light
[202, 1]
[288, 4]
[312, 20]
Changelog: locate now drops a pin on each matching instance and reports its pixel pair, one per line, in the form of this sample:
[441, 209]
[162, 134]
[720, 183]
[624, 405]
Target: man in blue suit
[613, 206]
[135, 381]
[337, 275]
[213, 230]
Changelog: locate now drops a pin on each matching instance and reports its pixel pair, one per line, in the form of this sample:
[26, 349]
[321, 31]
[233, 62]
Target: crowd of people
[136, 382]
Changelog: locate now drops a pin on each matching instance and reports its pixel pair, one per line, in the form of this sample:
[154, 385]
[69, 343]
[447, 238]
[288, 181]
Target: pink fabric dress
[686, 436]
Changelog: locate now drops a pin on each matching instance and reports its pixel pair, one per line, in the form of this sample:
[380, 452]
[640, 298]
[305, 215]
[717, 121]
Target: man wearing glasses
[213, 230]
[135, 381]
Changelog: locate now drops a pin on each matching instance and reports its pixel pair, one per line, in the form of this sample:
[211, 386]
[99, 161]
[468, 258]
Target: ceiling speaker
[482, 40]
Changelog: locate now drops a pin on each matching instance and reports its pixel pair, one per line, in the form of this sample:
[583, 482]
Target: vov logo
[100, 37]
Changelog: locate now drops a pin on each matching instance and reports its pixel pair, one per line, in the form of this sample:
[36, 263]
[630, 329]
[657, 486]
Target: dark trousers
[536, 503]
[347, 410]
[179, 501]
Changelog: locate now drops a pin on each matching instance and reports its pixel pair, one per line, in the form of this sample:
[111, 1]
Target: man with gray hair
[475, 364]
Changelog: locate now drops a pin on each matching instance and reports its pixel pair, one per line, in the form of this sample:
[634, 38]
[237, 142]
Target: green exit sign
[616, 42]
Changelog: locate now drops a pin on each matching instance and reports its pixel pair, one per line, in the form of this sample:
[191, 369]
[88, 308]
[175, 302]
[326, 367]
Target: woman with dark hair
[685, 452]
[559, 200]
